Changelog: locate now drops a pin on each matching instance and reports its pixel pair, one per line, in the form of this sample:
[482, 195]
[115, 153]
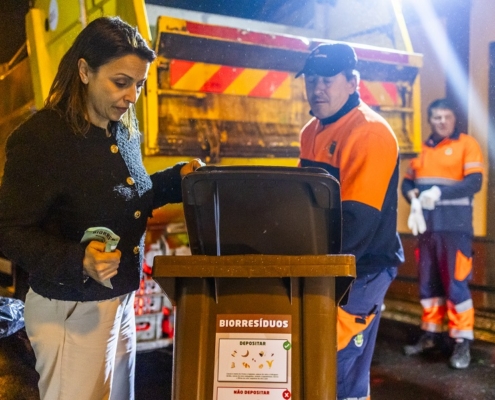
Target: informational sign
[253, 357]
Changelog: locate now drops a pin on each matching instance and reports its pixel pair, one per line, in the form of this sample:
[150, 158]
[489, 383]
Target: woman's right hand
[98, 264]
[191, 166]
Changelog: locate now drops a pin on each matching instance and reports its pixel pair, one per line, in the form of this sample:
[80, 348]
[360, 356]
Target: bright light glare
[448, 59]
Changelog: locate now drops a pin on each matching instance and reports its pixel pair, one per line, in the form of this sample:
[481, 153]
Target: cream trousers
[84, 350]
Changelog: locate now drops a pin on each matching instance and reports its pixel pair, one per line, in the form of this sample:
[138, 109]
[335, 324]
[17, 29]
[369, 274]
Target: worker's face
[327, 94]
[442, 122]
[113, 87]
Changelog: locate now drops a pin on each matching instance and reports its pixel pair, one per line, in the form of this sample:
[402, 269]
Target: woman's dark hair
[101, 41]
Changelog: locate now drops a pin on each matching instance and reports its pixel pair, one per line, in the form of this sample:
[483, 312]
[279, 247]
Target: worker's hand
[416, 221]
[429, 197]
[98, 264]
[412, 194]
[191, 166]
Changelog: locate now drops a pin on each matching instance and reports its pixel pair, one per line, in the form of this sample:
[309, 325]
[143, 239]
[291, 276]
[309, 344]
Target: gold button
[137, 214]
[114, 148]
[130, 181]
[136, 250]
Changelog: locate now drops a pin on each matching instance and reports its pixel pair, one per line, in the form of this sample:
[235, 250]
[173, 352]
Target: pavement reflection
[393, 375]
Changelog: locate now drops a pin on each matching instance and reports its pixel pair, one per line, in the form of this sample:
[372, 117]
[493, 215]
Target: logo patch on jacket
[359, 339]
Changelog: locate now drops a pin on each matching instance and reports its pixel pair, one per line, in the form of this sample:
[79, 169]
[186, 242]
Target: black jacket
[57, 184]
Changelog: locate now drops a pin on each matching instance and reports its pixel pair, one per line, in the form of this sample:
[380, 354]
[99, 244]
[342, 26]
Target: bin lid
[232, 210]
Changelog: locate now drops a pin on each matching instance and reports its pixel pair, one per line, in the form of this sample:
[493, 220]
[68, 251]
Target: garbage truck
[223, 90]
[228, 95]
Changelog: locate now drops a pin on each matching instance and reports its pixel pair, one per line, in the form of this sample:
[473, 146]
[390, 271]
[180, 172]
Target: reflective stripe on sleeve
[433, 180]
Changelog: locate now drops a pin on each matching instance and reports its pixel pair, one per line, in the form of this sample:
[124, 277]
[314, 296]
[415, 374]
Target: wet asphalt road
[427, 377]
[393, 376]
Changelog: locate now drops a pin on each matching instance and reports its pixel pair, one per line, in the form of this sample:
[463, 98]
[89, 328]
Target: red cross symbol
[286, 394]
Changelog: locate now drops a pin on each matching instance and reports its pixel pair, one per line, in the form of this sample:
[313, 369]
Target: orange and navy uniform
[361, 151]
[455, 165]
[358, 147]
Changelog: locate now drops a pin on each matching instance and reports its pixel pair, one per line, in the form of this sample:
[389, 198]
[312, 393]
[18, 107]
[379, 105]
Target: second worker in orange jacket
[440, 184]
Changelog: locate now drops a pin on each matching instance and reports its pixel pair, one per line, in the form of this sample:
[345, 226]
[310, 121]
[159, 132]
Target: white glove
[429, 197]
[416, 221]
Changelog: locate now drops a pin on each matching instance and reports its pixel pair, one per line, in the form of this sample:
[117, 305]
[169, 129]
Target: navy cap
[329, 60]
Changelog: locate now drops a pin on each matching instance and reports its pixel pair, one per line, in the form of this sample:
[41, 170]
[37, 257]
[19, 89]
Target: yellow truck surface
[223, 93]
[227, 95]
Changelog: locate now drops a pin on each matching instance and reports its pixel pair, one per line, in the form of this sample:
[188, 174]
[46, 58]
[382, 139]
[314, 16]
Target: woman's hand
[191, 166]
[98, 264]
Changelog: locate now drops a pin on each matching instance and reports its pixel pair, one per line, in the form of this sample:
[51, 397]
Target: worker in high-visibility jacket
[440, 184]
[358, 147]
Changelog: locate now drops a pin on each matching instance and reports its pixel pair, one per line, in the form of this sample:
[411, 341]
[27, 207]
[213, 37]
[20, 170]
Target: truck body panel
[227, 95]
[240, 97]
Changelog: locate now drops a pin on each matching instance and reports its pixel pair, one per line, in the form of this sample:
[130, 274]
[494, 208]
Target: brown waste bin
[255, 307]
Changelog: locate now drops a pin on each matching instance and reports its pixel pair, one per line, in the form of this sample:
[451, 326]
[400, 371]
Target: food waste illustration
[263, 360]
[247, 363]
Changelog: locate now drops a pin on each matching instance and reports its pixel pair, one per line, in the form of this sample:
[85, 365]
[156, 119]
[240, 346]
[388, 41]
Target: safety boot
[428, 341]
[461, 356]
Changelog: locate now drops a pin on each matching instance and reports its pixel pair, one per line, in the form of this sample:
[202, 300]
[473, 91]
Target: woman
[76, 164]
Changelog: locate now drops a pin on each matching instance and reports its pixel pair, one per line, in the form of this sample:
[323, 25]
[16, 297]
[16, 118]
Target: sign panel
[252, 357]
[253, 393]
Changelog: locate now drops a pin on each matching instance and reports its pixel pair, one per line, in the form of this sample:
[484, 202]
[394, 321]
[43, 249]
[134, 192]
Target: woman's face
[113, 87]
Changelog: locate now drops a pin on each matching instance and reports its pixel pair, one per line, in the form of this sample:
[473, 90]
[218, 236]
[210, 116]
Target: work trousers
[84, 350]
[357, 327]
[445, 269]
